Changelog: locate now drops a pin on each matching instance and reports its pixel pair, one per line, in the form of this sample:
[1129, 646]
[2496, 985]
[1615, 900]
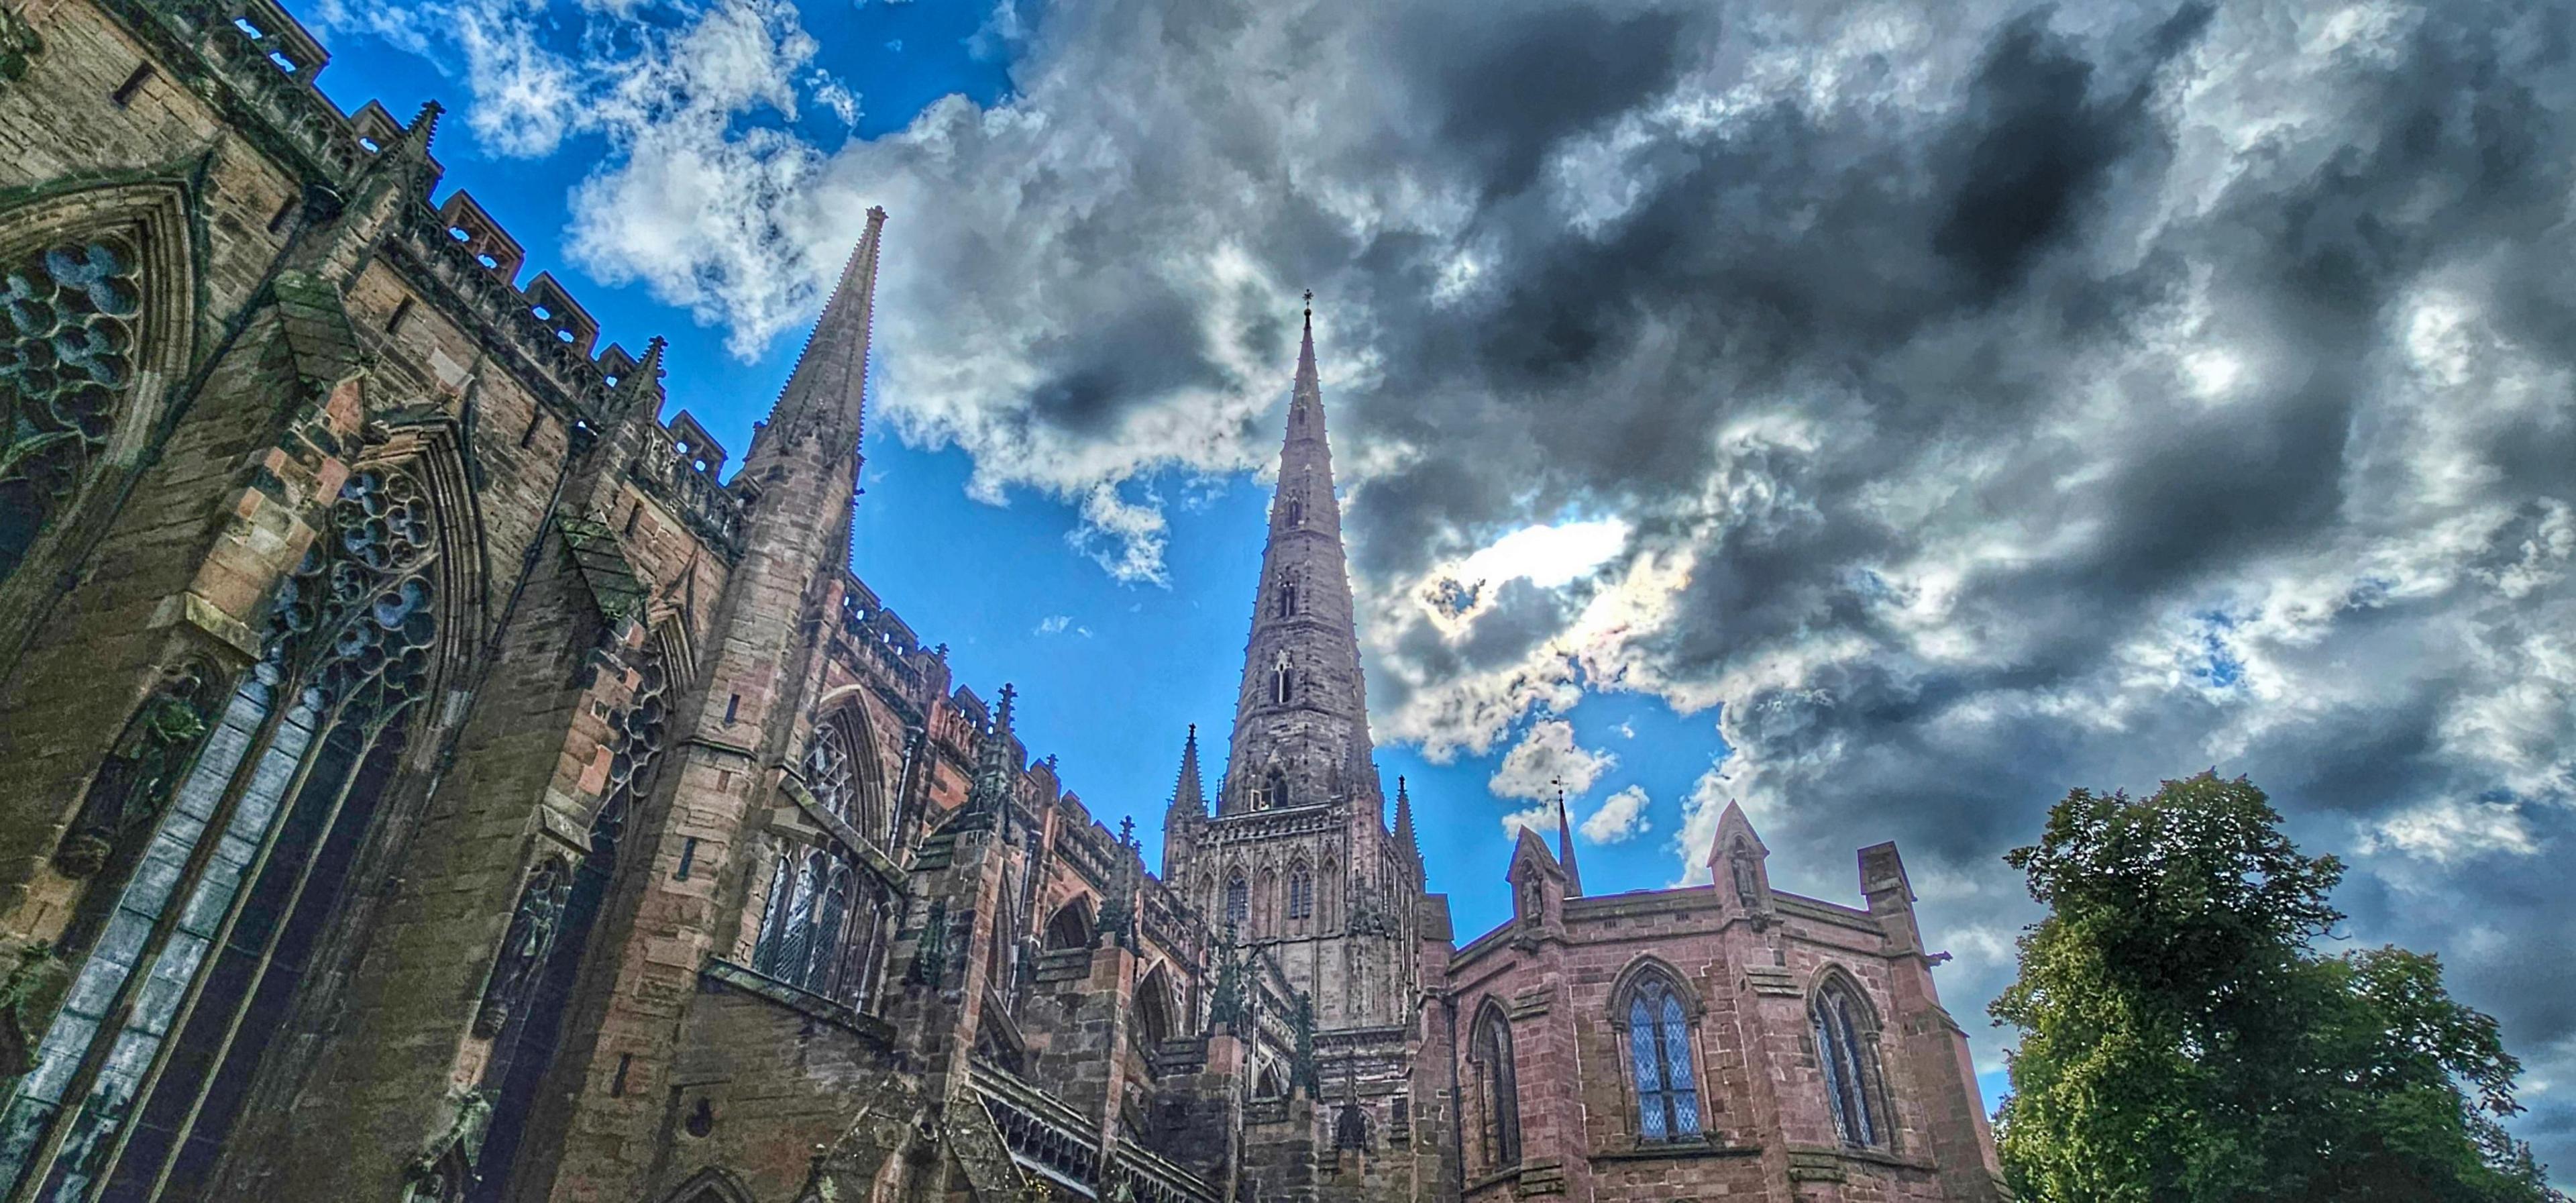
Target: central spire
[1301, 716]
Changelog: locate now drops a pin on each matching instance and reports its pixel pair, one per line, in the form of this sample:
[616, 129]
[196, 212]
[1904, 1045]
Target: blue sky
[1110, 672]
[1889, 415]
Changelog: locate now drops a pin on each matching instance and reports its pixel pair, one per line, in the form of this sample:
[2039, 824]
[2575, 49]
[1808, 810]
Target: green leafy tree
[2183, 1040]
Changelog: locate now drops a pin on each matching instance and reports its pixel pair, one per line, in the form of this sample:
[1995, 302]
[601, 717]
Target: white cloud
[1541, 819]
[2447, 831]
[1546, 556]
[1054, 624]
[1546, 760]
[1622, 816]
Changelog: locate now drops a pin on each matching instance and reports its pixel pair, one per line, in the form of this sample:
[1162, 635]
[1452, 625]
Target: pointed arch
[1071, 925]
[843, 772]
[108, 275]
[1497, 1086]
[1845, 1028]
[1655, 1012]
[1155, 1008]
[1301, 889]
[1238, 899]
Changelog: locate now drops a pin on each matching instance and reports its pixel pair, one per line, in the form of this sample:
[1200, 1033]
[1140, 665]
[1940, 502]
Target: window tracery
[1497, 1090]
[68, 320]
[1659, 1061]
[1301, 891]
[288, 779]
[1238, 899]
[1841, 1021]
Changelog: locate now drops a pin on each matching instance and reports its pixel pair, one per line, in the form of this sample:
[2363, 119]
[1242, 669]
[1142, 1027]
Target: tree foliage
[2182, 1039]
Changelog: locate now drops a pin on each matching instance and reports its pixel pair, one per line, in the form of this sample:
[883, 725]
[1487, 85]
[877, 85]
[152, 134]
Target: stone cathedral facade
[434, 776]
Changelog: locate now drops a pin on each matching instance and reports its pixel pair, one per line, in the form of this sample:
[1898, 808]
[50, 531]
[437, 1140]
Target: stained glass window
[1659, 1060]
[1497, 1091]
[1301, 892]
[148, 1064]
[1238, 900]
[1845, 1063]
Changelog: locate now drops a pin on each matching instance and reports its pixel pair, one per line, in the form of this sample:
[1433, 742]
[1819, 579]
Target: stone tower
[1297, 858]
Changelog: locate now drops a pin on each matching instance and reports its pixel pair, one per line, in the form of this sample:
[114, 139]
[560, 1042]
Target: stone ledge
[1678, 1150]
[1820, 1158]
[722, 972]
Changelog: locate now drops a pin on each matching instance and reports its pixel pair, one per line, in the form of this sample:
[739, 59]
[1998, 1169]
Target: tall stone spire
[1301, 716]
[826, 397]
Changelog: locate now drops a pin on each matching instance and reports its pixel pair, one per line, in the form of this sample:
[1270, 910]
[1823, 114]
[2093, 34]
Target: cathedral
[433, 776]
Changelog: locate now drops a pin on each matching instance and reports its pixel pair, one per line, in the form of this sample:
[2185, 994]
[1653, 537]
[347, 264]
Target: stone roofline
[1672, 901]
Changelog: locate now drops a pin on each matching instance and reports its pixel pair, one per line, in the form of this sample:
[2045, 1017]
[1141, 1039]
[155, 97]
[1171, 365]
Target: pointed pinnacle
[414, 143]
[641, 380]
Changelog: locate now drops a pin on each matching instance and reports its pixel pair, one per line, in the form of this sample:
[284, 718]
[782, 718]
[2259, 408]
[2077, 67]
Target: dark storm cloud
[2000, 397]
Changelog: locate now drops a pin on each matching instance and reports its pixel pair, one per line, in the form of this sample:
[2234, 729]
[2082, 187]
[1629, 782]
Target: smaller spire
[1404, 837]
[991, 794]
[1565, 845]
[642, 384]
[416, 136]
[1188, 794]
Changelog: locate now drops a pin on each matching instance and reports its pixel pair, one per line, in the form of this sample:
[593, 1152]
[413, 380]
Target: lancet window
[191, 957]
[1841, 1021]
[1497, 1091]
[1301, 891]
[1282, 682]
[1238, 899]
[1659, 1061]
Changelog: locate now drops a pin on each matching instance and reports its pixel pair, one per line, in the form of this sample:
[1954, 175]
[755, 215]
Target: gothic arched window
[1282, 686]
[1841, 1022]
[240, 876]
[836, 774]
[800, 934]
[1274, 786]
[1154, 1007]
[1497, 1091]
[69, 316]
[1659, 1061]
[1069, 928]
[1301, 891]
[1296, 511]
[1238, 899]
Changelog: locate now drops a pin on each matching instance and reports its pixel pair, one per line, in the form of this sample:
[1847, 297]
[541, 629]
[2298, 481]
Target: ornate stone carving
[523, 950]
[142, 768]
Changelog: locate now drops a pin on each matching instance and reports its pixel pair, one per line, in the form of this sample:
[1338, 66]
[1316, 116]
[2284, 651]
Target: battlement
[265, 64]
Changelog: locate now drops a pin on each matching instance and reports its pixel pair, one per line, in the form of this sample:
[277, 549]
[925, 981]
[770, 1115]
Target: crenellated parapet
[665, 468]
[259, 66]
